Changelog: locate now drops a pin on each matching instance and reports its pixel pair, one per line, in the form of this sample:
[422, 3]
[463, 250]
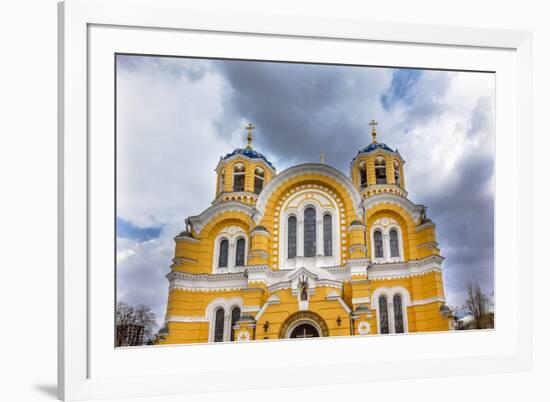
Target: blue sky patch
[403, 80]
[128, 230]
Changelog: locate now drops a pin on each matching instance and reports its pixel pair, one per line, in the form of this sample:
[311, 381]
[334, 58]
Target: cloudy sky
[177, 116]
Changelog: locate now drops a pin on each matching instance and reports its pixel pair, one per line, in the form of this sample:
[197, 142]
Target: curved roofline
[200, 221]
[380, 147]
[318, 168]
[242, 152]
[413, 209]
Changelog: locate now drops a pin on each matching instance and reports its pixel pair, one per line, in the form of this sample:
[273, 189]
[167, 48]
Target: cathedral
[307, 252]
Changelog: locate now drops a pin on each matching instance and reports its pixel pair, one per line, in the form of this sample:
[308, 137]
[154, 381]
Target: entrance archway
[304, 331]
[305, 323]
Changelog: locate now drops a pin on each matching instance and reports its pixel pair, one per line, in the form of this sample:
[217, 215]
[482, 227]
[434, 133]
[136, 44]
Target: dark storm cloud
[303, 110]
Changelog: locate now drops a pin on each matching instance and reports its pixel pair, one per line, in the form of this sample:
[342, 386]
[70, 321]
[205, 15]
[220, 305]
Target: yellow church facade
[307, 252]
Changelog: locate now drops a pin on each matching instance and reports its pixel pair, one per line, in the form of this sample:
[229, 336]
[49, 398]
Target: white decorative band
[360, 300]
[180, 318]
[250, 309]
[427, 301]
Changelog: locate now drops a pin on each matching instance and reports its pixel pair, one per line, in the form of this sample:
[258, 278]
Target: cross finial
[373, 123]
[322, 157]
[250, 127]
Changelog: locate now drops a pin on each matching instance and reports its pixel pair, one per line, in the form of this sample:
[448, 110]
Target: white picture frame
[90, 369]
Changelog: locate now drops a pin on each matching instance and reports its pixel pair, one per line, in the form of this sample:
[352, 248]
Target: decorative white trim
[360, 300]
[429, 300]
[385, 225]
[242, 336]
[250, 309]
[232, 234]
[389, 198]
[299, 170]
[363, 328]
[273, 299]
[199, 221]
[390, 293]
[179, 318]
[228, 305]
[405, 269]
[324, 203]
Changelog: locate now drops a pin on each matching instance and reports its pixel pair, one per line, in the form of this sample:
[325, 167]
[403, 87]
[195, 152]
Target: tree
[134, 326]
[479, 306]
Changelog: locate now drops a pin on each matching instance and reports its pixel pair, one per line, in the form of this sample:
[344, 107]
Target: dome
[375, 146]
[249, 153]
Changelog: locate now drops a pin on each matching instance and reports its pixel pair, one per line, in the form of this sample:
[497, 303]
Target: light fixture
[339, 321]
[266, 326]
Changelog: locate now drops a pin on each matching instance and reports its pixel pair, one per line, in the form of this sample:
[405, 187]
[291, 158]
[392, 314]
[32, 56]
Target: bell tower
[378, 168]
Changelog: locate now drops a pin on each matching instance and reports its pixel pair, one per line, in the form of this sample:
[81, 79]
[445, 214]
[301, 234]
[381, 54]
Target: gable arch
[405, 227]
[311, 173]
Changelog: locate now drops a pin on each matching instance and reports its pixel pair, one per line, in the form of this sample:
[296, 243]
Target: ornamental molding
[304, 169]
[206, 282]
[360, 300]
[243, 336]
[405, 269]
[303, 316]
[178, 318]
[428, 301]
[389, 198]
[200, 221]
[363, 328]
[260, 233]
[186, 238]
[242, 194]
[182, 260]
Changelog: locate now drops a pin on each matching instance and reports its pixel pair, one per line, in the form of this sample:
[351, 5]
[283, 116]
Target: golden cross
[373, 124]
[250, 127]
[322, 157]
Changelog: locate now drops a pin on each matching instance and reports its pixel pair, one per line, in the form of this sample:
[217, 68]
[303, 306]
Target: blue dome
[373, 147]
[250, 153]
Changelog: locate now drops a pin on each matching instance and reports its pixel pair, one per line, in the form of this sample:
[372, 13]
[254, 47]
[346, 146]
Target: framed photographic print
[347, 200]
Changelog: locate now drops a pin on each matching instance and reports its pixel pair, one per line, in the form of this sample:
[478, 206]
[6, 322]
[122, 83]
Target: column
[319, 236]
[299, 237]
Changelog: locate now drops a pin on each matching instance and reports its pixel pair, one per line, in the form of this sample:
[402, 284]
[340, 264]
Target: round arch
[303, 317]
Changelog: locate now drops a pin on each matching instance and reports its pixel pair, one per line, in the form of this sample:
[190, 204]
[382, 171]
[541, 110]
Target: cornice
[389, 198]
[199, 221]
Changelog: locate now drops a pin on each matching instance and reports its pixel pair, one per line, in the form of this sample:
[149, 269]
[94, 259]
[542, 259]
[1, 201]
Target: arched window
[235, 315]
[238, 177]
[383, 312]
[239, 257]
[291, 237]
[378, 244]
[309, 232]
[398, 314]
[218, 325]
[327, 234]
[224, 253]
[394, 243]
[259, 176]
[380, 170]
[396, 173]
[222, 181]
[363, 175]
